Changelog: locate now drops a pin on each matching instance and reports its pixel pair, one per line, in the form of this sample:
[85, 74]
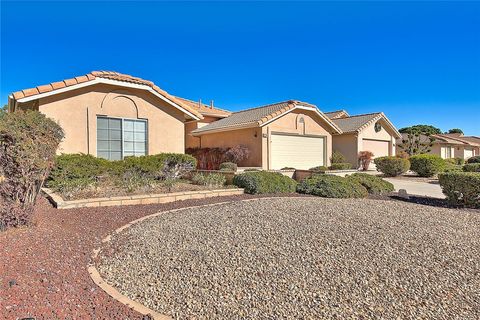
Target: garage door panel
[379, 148]
[300, 152]
[468, 153]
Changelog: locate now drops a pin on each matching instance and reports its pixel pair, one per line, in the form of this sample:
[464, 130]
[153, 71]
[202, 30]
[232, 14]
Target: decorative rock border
[138, 199]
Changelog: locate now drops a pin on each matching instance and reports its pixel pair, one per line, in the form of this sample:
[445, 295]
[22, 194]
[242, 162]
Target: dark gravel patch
[43, 268]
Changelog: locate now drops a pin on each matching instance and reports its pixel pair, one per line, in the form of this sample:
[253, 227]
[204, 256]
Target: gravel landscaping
[302, 258]
[43, 268]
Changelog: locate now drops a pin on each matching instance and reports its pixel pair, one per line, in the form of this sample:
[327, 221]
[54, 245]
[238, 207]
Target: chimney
[211, 104]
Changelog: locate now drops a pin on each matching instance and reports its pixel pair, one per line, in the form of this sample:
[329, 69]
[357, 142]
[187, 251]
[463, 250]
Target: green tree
[421, 129]
[455, 130]
[3, 110]
[418, 139]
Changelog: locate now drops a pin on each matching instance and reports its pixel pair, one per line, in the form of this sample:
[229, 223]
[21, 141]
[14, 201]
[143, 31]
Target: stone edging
[114, 293]
[138, 199]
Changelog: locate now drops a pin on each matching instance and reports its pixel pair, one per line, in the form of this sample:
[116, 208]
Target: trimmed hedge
[341, 166]
[461, 188]
[330, 186]
[256, 182]
[74, 172]
[392, 166]
[373, 184]
[427, 165]
[471, 167]
[475, 159]
[228, 166]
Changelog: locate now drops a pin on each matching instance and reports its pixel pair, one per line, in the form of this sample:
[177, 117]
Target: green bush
[392, 166]
[337, 157]
[427, 165]
[287, 168]
[461, 188]
[456, 161]
[74, 172]
[341, 166]
[475, 159]
[471, 167]
[209, 179]
[28, 143]
[228, 166]
[449, 167]
[153, 165]
[256, 182]
[321, 169]
[331, 186]
[373, 184]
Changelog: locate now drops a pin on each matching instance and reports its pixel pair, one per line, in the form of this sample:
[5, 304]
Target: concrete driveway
[418, 188]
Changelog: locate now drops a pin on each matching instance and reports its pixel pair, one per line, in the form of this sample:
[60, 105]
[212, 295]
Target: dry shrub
[28, 142]
[364, 158]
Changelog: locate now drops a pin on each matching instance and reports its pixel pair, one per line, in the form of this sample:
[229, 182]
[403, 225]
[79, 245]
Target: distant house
[364, 132]
[285, 134]
[453, 145]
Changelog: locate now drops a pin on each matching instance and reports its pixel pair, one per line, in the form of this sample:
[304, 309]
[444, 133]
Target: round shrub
[427, 165]
[475, 159]
[461, 188]
[392, 166]
[228, 166]
[373, 184]
[341, 166]
[330, 186]
[256, 182]
[471, 167]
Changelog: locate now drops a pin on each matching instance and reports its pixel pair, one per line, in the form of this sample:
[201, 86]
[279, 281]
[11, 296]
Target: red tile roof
[206, 110]
[105, 75]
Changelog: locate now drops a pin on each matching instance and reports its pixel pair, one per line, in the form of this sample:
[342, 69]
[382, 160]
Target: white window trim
[123, 133]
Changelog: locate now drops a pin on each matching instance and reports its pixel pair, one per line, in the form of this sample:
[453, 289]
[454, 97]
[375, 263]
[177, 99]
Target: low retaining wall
[138, 199]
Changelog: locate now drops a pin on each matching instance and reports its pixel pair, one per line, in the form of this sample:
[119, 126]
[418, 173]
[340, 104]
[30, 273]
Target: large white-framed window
[446, 152]
[118, 138]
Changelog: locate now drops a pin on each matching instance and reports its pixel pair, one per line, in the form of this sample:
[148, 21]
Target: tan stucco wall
[77, 110]
[251, 137]
[259, 139]
[290, 123]
[347, 144]
[351, 144]
[190, 140]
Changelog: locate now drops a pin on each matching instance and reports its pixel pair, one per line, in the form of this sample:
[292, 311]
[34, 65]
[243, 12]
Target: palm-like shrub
[364, 158]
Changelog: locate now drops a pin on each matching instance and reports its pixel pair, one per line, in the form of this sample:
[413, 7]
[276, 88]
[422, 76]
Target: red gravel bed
[43, 268]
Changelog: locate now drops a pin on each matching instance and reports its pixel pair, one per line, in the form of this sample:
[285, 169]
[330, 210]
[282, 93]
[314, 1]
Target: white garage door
[299, 152]
[468, 153]
[379, 148]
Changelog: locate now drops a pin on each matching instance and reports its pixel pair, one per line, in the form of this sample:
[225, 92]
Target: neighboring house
[111, 115]
[285, 134]
[453, 145]
[209, 113]
[365, 132]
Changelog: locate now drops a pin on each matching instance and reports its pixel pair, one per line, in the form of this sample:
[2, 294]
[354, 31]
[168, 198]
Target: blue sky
[419, 62]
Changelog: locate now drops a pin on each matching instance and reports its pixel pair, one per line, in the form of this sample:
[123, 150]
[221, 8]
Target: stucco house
[451, 145]
[113, 115]
[284, 134]
[365, 132]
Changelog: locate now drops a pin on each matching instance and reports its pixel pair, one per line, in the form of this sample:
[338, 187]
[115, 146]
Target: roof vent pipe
[211, 104]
